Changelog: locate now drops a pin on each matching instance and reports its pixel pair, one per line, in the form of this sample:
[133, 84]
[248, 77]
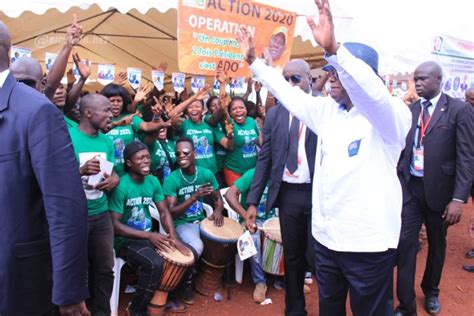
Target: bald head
[427, 79]
[470, 96]
[298, 69]
[95, 112]
[5, 43]
[92, 101]
[27, 68]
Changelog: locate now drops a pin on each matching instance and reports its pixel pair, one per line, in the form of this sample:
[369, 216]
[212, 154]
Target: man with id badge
[435, 172]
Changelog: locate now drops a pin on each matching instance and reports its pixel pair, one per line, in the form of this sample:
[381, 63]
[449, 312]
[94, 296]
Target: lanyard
[423, 125]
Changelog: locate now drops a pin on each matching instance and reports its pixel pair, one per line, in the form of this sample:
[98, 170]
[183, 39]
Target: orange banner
[207, 34]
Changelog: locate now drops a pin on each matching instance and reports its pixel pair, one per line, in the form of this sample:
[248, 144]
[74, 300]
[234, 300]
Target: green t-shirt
[70, 123]
[183, 187]
[132, 200]
[220, 151]
[121, 136]
[244, 155]
[203, 138]
[243, 184]
[159, 159]
[87, 147]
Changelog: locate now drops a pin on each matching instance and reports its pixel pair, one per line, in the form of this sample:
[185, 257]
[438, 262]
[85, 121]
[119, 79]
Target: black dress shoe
[470, 254]
[468, 267]
[432, 305]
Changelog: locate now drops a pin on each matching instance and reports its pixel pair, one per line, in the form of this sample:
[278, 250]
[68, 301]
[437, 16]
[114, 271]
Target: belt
[296, 186]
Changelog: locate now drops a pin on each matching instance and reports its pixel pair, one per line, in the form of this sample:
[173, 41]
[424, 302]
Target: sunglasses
[183, 152]
[294, 78]
[333, 73]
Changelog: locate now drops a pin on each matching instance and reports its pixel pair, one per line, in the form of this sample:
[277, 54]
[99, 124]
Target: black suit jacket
[43, 209]
[272, 156]
[448, 153]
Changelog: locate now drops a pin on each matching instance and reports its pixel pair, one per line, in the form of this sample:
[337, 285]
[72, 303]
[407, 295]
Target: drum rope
[213, 265]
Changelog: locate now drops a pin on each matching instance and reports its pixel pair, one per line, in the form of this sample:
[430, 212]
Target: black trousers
[414, 213]
[295, 223]
[101, 264]
[141, 255]
[367, 276]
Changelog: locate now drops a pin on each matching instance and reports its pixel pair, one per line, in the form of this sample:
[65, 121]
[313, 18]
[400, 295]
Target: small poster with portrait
[18, 52]
[134, 76]
[49, 59]
[238, 85]
[178, 80]
[105, 74]
[197, 83]
[158, 78]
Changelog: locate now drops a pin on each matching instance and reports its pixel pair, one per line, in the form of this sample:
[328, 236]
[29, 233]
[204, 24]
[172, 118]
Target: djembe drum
[175, 265]
[219, 250]
[272, 248]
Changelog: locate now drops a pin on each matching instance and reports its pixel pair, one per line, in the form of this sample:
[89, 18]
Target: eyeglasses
[183, 152]
[294, 78]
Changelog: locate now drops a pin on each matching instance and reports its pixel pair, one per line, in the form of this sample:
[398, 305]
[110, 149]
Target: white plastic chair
[114, 299]
[239, 264]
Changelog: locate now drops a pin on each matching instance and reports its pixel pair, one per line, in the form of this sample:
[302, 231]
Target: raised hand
[142, 92]
[126, 120]
[229, 128]
[247, 46]
[83, 66]
[162, 67]
[73, 33]
[258, 86]
[70, 77]
[157, 108]
[202, 94]
[120, 78]
[323, 32]
[222, 76]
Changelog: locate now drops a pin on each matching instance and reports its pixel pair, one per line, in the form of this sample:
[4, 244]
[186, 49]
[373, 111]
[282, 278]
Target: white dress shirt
[357, 197]
[301, 174]
[3, 76]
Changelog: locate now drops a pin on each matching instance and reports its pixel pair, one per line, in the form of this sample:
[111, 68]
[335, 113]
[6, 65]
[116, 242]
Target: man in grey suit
[43, 211]
[287, 161]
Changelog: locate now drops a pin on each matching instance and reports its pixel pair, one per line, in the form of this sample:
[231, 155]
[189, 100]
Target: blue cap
[364, 52]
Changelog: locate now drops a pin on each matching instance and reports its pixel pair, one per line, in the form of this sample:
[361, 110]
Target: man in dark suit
[43, 210]
[435, 172]
[287, 161]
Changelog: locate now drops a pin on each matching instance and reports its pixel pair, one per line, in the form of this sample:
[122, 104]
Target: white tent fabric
[402, 31]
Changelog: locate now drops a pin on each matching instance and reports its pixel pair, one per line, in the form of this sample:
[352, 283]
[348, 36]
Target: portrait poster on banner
[18, 52]
[237, 85]
[456, 57]
[207, 35]
[49, 59]
[105, 74]
[158, 78]
[197, 83]
[134, 76]
[178, 80]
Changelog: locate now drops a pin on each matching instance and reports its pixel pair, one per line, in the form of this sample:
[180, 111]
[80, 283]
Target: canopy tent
[143, 33]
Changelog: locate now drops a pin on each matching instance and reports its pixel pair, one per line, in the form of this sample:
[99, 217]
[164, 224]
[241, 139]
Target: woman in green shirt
[246, 137]
[123, 135]
[203, 136]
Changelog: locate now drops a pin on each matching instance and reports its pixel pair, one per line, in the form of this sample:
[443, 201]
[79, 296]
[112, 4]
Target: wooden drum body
[175, 265]
[219, 250]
